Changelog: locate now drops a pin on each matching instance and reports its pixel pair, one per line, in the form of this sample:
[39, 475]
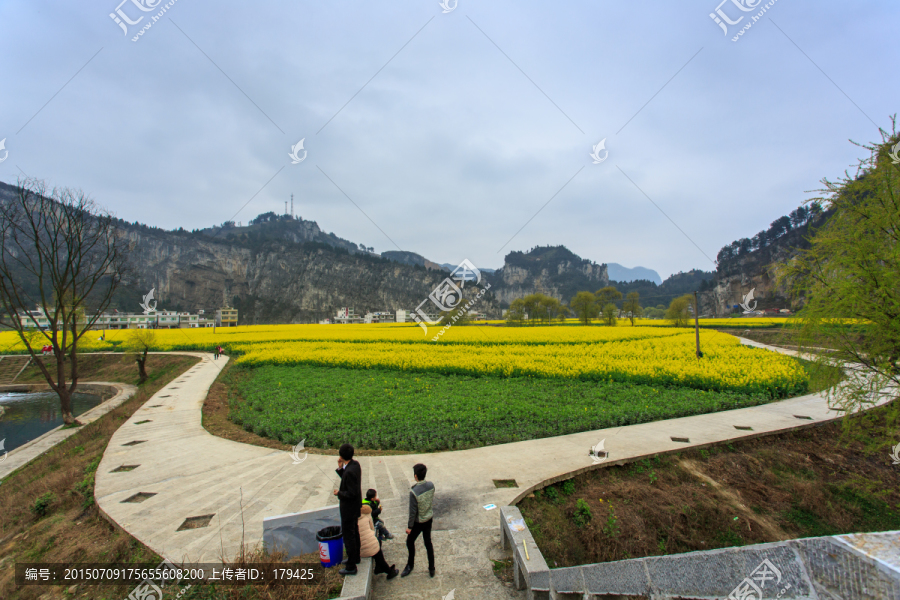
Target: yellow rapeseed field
[652, 355]
[653, 359]
[404, 333]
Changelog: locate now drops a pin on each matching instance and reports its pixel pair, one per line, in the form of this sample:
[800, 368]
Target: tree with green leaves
[540, 307]
[515, 315]
[550, 308]
[632, 306]
[458, 315]
[584, 305]
[607, 295]
[610, 314]
[679, 311]
[852, 271]
[532, 307]
[655, 313]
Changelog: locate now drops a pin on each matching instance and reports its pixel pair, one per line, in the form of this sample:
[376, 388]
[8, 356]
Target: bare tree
[138, 343]
[63, 256]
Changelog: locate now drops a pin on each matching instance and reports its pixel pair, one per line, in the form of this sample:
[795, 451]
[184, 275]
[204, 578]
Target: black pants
[350, 532]
[381, 565]
[425, 530]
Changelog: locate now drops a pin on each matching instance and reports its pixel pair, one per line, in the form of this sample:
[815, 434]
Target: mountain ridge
[624, 274]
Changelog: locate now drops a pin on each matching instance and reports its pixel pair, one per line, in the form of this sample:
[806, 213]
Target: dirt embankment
[809, 482]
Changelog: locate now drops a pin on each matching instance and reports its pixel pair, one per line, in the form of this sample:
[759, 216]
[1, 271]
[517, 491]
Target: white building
[379, 317]
[346, 316]
[162, 319]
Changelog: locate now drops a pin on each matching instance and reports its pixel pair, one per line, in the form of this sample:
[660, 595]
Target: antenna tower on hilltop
[292, 206]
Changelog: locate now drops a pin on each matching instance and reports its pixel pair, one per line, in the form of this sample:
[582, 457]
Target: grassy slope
[798, 484]
[71, 528]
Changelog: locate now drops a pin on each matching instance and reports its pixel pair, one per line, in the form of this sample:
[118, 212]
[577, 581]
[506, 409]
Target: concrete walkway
[161, 467]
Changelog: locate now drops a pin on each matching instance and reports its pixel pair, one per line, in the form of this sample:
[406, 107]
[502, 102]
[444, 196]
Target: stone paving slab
[194, 473]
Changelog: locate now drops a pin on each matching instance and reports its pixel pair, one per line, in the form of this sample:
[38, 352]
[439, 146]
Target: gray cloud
[450, 149]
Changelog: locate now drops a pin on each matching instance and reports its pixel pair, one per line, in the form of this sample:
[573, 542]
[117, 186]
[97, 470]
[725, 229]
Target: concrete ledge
[529, 569]
[851, 567]
[359, 586]
[104, 390]
[860, 566]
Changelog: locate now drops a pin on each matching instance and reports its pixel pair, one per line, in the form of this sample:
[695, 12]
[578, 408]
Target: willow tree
[849, 278]
[61, 258]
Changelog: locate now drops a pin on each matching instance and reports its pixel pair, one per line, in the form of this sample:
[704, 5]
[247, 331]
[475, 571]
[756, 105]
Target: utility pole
[285, 207]
[697, 324]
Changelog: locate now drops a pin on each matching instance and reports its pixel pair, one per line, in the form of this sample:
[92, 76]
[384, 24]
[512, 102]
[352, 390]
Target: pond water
[27, 416]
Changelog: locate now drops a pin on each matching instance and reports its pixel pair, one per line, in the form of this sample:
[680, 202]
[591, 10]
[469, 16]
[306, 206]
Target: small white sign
[490, 506]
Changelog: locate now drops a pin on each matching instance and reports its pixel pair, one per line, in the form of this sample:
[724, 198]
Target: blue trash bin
[331, 546]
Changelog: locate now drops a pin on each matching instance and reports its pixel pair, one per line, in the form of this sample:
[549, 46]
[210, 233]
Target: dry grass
[328, 585]
[100, 367]
[783, 337]
[803, 483]
[72, 530]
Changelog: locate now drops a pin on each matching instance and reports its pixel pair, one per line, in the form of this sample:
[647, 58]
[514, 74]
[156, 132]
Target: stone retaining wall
[104, 391]
[861, 566]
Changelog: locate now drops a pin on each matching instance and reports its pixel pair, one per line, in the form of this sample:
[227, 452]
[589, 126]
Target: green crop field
[390, 410]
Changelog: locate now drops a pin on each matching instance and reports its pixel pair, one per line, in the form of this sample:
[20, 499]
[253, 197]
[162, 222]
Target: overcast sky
[452, 130]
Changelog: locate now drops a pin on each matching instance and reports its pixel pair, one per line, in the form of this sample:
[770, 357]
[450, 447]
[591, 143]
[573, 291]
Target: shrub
[568, 487]
[42, 504]
[582, 514]
[85, 487]
[552, 493]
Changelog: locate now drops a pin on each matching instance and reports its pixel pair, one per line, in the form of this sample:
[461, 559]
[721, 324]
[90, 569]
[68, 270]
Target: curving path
[177, 470]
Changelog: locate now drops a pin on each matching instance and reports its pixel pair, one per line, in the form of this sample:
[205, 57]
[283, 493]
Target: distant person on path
[370, 546]
[350, 497]
[381, 532]
[421, 497]
[217, 352]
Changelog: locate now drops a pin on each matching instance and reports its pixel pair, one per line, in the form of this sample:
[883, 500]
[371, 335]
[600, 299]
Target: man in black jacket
[350, 497]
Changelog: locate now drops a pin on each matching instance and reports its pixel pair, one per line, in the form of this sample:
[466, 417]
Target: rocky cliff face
[284, 270]
[731, 289]
[554, 271]
[757, 271]
[270, 281]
